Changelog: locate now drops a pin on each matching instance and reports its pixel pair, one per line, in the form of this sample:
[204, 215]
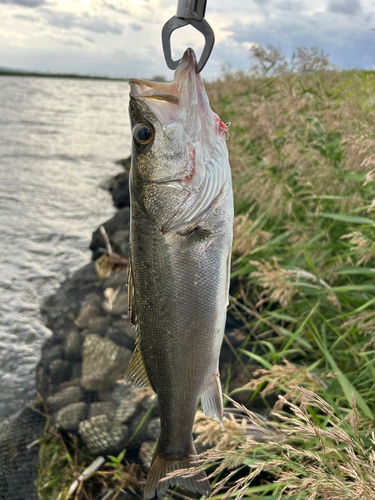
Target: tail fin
[160, 468]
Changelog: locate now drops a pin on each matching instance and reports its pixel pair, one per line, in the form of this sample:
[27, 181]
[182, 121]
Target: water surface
[59, 140]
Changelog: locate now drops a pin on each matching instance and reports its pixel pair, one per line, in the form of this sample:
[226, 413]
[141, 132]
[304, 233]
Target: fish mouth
[175, 100]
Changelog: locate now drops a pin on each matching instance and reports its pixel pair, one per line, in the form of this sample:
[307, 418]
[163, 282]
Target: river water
[59, 140]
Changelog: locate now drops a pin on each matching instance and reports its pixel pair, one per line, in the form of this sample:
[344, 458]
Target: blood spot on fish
[221, 128]
[191, 160]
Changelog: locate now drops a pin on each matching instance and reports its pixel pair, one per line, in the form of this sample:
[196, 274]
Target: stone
[104, 362]
[148, 401]
[116, 279]
[98, 325]
[76, 371]
[146, 452]
[59, 370]
[103, 437]
[125, 327]
[119, 189]
[87, 312]
[120, 241]
[105, 394]
[120, 222]
[92, 299]
[72, 346]
[69, 296]
[69, 417]
[120, 338]
[116, 302]
[50, 353]
[139, 436]
[126, 411]
[103, 408]
[65, 397]
[153, 429]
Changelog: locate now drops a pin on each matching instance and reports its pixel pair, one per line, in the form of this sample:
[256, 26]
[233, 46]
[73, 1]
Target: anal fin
[212, 400]
[136, 372]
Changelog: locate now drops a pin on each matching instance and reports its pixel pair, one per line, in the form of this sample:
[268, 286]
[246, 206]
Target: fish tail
[161, 467]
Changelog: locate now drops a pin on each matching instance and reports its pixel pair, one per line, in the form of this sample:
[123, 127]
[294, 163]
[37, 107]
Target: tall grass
[303, 161]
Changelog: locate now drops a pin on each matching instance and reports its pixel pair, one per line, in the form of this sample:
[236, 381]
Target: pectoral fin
[131, 302]
[195, 236]
[212, 400]
[136, 372]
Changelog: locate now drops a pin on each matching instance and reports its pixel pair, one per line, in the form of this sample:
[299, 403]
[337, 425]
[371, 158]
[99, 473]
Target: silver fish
[180, 246]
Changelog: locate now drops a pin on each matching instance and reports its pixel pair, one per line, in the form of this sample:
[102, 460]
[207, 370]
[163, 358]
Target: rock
[116, 301]
[120, 242]
[68, 298]
[59, 370]
[146, 452]
[87, 312]
[125, 162]
[125, 327]
[119, 222]
[119, 190]
[98, 325]
[92, 299]
[104, 362]
[76, 371]
[141, 434]
[65, 397]
[115, 279]
[72, 346]
[103, 437]
[126, 411]
[69, 417]
[148, 401]
[50, 353]
[120, 338]
[153, 429]
[105, 394]
[103, 408]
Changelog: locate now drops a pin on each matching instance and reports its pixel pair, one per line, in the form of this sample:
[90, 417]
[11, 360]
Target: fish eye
[143, 134]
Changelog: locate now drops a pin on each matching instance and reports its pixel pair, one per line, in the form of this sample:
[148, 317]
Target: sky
[123, 37]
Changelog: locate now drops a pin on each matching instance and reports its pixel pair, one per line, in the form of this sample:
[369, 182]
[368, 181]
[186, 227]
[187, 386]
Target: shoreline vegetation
[302, 153]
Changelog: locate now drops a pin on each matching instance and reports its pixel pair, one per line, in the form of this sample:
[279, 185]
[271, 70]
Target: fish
[181, 231]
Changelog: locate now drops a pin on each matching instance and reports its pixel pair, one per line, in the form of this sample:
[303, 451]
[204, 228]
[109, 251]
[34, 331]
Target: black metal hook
[188, 12]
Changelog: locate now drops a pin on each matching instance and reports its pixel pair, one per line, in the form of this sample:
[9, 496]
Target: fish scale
[180, 247]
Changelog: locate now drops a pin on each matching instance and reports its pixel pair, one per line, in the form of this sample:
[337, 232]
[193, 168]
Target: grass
[302, 153]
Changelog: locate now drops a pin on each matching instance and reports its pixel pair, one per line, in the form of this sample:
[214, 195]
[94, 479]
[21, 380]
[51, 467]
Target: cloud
[136, 27]
[25, 3]
[96, 24]
[348, 7]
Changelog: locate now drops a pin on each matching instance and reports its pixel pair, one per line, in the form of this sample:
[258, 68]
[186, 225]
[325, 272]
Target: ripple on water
[59, 140]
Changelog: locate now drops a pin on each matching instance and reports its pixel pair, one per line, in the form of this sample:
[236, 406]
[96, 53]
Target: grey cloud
[115, 8]
[136, 27]
[348, 42]
[25, 3]
[96, 24]
[348, 7]
[24, 17]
